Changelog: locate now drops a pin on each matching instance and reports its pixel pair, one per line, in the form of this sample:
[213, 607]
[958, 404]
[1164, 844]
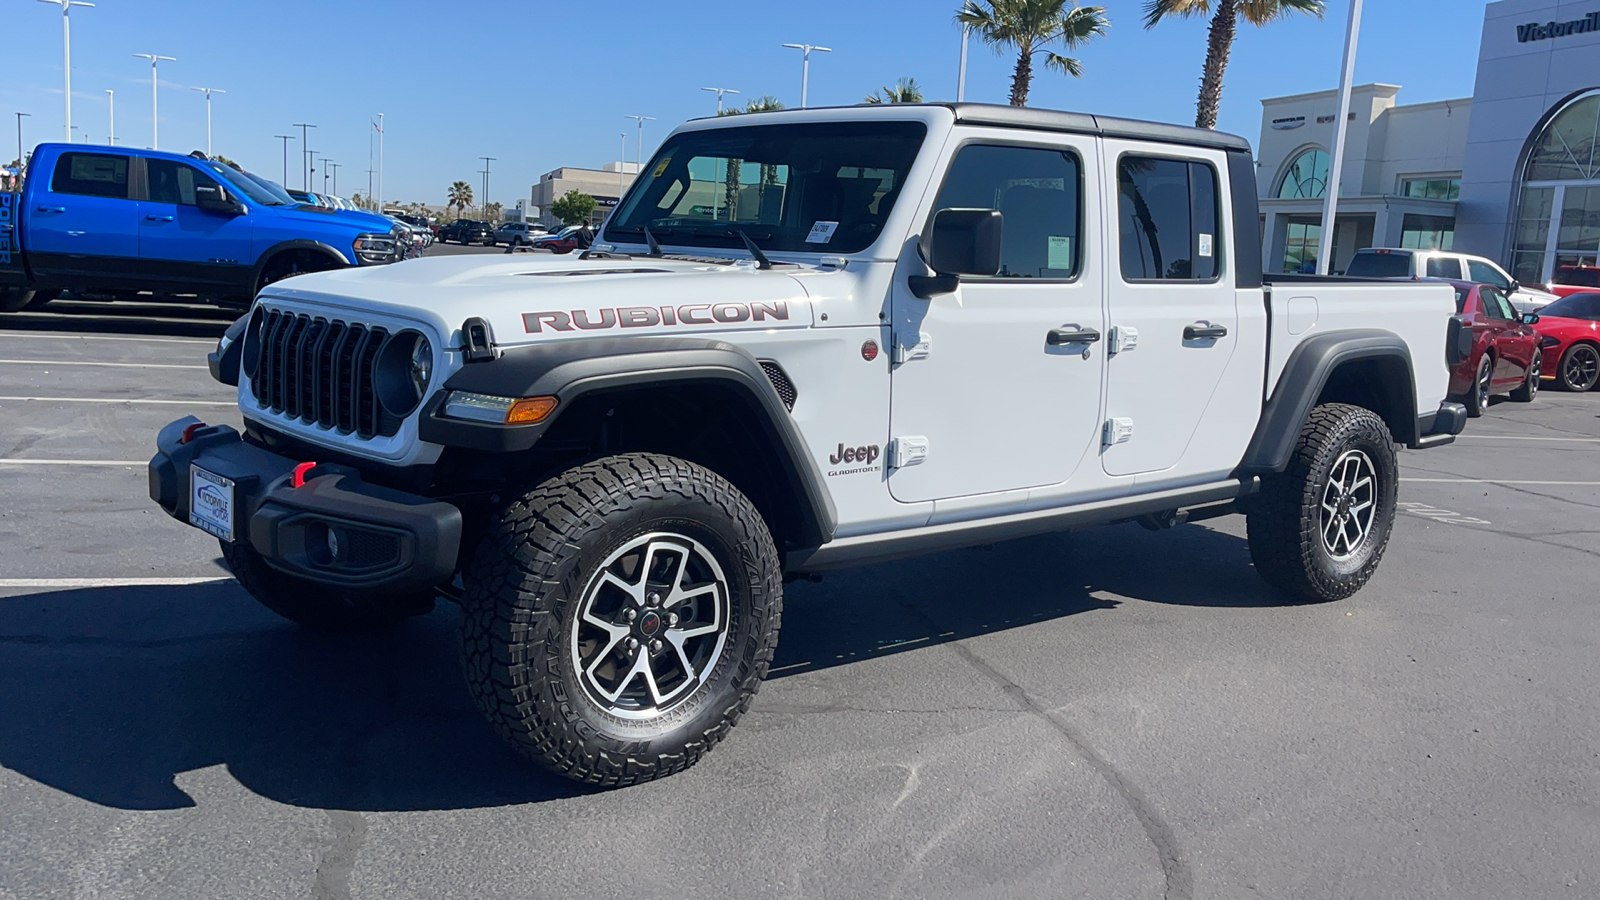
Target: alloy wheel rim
[1534, 374]
[1349, 505]
[651, 626]
[1581, 367]
[1485, 376]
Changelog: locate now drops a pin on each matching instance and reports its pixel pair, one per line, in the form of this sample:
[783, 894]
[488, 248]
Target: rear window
[1576, 306]
[1444, 267]
[1461, 299]
[1380, 265]
[1577, 277]
[91, 174]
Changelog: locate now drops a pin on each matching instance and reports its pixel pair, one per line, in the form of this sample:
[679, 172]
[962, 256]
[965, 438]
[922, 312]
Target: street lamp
[485, 174]
[638, 158]
[305, 180]
[622, 161]
[286, 138]
[111, 108]
[324, 175]
[378, 125]
[805, 65]
[19, 138]
[66, 44]
[335, 167]
[155, 127]
[311, 155]
[961, 74]
[208, 92]
[719, 92]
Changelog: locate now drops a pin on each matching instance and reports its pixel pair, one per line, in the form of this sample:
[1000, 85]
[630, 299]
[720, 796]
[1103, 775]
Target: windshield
[1580, 277]
[1380, 265]
[819, 187]
[273, 188]
[245, 183]
[1575, 306]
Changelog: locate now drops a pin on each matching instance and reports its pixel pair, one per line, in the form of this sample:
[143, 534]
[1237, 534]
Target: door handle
[50, 209]
[1071, 334]
[1204, 331]
[158, 218]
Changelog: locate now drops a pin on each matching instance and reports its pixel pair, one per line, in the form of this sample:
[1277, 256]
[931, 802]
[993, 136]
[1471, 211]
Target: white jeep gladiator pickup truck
[805, 340]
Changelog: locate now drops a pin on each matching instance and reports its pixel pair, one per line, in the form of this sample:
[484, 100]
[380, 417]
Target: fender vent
[780, 382]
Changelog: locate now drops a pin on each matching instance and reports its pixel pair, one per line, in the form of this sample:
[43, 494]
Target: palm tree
[1219, 40]
[460, 196]
[1027, 26]
[904, 91]
[769, 172]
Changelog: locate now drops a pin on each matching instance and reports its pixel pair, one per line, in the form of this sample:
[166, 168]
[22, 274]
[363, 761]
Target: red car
[1570, 280]
[1571, 340]
[1505, 354]
[563, 241]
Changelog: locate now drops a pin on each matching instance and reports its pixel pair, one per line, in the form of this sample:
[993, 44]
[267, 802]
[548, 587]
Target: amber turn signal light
[530, 410]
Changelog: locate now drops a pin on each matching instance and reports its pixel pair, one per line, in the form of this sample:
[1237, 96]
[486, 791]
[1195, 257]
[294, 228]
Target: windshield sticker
[1060, 254]
[1205, 246]
[822, 232]
[661, 168]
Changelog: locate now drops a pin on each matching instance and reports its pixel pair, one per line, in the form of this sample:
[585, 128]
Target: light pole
[305, 180]
[622, 159]
[19, 139]
[485, 174]
[1330, 203]
[208, 92]
[961, 74]
[805, 66]
[111, 109]
[286, 138]
[638, 158]
[66, 44]
[379, 126]
[311, 161]
[155, 127]
[719, 92]
[324, 175]
[335, 167]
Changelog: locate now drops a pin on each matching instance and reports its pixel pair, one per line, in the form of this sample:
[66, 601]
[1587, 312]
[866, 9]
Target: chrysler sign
[1533, 31]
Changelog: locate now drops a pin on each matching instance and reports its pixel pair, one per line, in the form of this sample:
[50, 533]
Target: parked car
[467, 231]
[1569, 280]
[563, 241]
[1570, 330]
[1396, 262]
[518, 233]
[115, 221]
[1505, 356]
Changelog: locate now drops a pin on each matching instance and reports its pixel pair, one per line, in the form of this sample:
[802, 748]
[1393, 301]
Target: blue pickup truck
[114, 222]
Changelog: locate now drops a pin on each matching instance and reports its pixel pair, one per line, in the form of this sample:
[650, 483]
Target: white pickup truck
[805, 340]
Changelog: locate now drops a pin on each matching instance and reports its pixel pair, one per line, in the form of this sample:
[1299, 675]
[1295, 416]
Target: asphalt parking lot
[1105, 714]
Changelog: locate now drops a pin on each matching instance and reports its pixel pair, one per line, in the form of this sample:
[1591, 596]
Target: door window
[1169, 219]
[91, 174]
[1444, 267]
[1037, 192]
[1484, 273]
[174, 182]
[1494, 304]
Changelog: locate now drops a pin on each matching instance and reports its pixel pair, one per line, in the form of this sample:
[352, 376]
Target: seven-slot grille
[321, 371]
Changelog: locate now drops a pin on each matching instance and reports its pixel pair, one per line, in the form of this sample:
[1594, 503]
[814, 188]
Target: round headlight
[421, 365]
[405, 367]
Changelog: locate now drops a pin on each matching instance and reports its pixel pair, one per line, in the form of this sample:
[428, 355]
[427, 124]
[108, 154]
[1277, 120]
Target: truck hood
[317, 215]
[528, 298]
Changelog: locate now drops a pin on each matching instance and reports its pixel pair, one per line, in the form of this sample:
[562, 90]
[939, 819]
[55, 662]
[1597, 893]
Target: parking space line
[76, 362]
[109, 463]
[1498, 481]
[103, 337]
[123, 400]
[1518, 437]
[109, 582]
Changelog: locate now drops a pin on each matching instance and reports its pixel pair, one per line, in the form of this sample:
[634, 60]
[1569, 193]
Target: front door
[977, 381]
[1513, 342]
[1174, 299]
[183, 245]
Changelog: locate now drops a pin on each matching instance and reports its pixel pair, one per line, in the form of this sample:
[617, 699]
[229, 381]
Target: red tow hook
[298, 479]
[188, 433]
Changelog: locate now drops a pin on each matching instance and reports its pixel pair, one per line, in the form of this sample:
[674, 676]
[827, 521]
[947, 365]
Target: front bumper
[381, 539]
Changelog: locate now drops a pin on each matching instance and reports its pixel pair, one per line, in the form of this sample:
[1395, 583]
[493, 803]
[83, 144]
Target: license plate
[211, 503]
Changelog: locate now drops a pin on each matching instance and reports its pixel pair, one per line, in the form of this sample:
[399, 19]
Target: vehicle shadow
[123, 317]
[113, 694]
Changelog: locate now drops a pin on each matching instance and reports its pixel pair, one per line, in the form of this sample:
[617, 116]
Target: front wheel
[1318, 530]
[1530, 384]
[1580, 368]
[618, 618]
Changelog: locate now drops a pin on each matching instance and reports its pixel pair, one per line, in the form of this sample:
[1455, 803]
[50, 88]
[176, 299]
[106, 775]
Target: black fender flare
[1304, 376]
[280, 248]
[571, 369]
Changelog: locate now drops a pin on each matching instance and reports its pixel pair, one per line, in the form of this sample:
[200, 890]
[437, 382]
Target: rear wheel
[14, 299]
[1530, 384]
[1318, 530]
[317, 606]
[1580, 368]
[1478, 399]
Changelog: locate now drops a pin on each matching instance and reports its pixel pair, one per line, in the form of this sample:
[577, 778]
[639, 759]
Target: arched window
[1306, 178]
[1568, 151]
[1558, 212]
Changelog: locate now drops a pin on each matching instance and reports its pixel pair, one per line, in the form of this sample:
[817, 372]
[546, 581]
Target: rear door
[1172, 305]
[83, 220]
[182, 245]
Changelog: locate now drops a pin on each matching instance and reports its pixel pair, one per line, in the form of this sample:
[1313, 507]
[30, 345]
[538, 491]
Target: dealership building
[1511, 173]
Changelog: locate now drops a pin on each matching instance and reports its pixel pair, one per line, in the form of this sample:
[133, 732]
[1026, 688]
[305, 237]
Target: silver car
[517, 233]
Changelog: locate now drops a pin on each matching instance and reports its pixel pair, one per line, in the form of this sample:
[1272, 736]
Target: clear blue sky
[545, 84]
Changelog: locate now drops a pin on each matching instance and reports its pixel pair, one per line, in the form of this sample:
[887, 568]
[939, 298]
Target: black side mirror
[959, 242]
[214, 198]
[1530, 318]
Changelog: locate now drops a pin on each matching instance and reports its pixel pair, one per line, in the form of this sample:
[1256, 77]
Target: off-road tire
[315, 606]
[1477, 399]
[1529, 388]
[14, 299]
[1285, 520]
[540, 561]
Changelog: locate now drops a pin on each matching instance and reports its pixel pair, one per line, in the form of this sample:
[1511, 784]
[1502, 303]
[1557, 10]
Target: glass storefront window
[1421, 232]
[1568, 149]
[1431, 188]
[1306, 177]
[1300, 249]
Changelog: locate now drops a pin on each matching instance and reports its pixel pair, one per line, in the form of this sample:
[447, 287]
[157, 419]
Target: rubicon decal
[650, 316]
[864, 457]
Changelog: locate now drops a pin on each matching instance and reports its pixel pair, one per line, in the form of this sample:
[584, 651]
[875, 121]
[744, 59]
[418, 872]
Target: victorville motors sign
[1533, 31]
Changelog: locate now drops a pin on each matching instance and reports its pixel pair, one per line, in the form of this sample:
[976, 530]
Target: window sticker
[822, 232]
[661, 168]
[1060, 253]
[1205, 245]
